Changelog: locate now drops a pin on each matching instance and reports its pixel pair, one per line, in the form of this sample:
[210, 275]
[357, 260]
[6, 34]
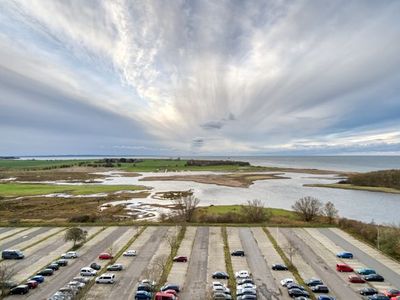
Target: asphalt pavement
[196, 278]
[23, 238]
[369, 261]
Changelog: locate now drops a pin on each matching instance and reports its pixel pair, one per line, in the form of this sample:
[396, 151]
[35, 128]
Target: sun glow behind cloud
[200, 77]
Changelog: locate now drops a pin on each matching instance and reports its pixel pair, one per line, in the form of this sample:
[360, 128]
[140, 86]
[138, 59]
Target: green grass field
[223, 209]
[356, 187]
[7, 164]
[20, 189]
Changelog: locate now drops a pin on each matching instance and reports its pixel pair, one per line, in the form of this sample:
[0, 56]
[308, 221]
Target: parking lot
[315, 256]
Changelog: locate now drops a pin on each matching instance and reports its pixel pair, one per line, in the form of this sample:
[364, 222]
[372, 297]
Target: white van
[88, 272]
[106, 278]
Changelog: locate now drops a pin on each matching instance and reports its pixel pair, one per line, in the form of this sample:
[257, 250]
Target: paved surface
[366, 259]
[88, 253]
[24, 236]
[266, 286]
[271, 257]
[10, 232]
[216, 255]
[196, 277]
[324, 271]
[5, 229]
[146, 245]
[238, 263]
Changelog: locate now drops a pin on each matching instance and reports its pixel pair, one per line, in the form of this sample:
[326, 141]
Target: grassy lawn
[36, 164]
[223, 209]
[20, 189]
[356, 187]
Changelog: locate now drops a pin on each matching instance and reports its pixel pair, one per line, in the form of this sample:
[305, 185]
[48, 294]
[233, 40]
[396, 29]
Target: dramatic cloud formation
[199, 77]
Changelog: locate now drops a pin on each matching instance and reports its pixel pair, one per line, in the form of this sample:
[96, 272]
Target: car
[53, 266]
[20, 290]
[87, 271]
[95, 266]
[81, 279]
[325, 297]
[286, 281]
[38, 278]
[279, 267]
[243, 292]
[237, 253]
[61, 262]
[374, 277]
[301, 298]
[69, 255]
[345, 254]
[69, 290]
[356, 279]
[295, 286]
[395, 298]
[143, 295]
[115, 267]
[220, 275]
[172, 292]
[33, 284]
[170, 286]
[247, 297]
[106, 278]
[368, 291]
[221, 296]
[343, 268]
[12, 254]
[60, 296]
[365, 271]
[130, 253]
[46, 272]
[145, 287]
[76, 284]
[245, 280]
[180, 259]
[8, 284]
[297, 293]
[378, 297]
[320, 289]
[246, 285]
[152, 283]
[313, 282]
[221, 289]
[391, 292]
[242, 274]
[164, 296]
[105, 255]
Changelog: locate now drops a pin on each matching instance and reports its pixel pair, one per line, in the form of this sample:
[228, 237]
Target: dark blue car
[143, 295]
[345, 254]
[38, 278]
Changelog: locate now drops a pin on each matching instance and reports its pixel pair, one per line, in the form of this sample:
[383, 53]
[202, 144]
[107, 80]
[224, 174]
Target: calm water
[282, 193]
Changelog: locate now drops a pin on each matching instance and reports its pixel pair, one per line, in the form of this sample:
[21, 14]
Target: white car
[246, 286]
[88, 272]
[70, 254]
[77, 284]
[217, 283]
[242, 274]
[221, 289]
[286, 281]
[106, 278]
[130, 253]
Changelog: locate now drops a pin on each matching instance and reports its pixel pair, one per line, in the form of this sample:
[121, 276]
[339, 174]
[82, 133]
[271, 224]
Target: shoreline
[344, 186]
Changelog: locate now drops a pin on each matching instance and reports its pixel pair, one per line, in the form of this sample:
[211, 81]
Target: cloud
[210, 77]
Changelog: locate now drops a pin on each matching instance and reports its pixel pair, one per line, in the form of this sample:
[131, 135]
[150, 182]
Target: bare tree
[330, 211]
[185, 207]
[6, 275]
[173, 240]
[254, 211]
[291, 250]
[308, 208]
[75, 234]
[155, 268]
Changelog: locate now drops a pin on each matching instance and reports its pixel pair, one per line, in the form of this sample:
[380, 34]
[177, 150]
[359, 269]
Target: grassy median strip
[103, 270]
[173, 253]
[292, 268]
[228, 263]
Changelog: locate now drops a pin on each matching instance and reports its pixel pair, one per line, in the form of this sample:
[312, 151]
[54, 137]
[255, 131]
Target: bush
[83, 219]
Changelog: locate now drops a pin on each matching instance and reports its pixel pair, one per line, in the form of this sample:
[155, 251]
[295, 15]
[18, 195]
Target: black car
[20, 290]
[298, 293]
[220, 275]
[46, 272]
[368, 291]
[320, 289]
[95, 266]
[170, 286]
[314, 282]
[279, 267]
[374, 277]
[238, 253]
[61, 262]
[378, 297]
[295, 286]
[145, 287]
[54, 267]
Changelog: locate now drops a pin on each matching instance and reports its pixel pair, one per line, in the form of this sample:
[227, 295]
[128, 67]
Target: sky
[199, 77]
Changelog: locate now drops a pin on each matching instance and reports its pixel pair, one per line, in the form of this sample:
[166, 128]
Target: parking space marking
[10, 232]
[12, 242]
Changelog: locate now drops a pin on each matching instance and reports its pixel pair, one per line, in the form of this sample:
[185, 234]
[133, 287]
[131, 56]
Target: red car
[356, 279]
[180, 259]
[105, 255]
[165, 296]
[395, 298]
[172, 292]
[391, 293]
[32, 284]
[344, 268]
